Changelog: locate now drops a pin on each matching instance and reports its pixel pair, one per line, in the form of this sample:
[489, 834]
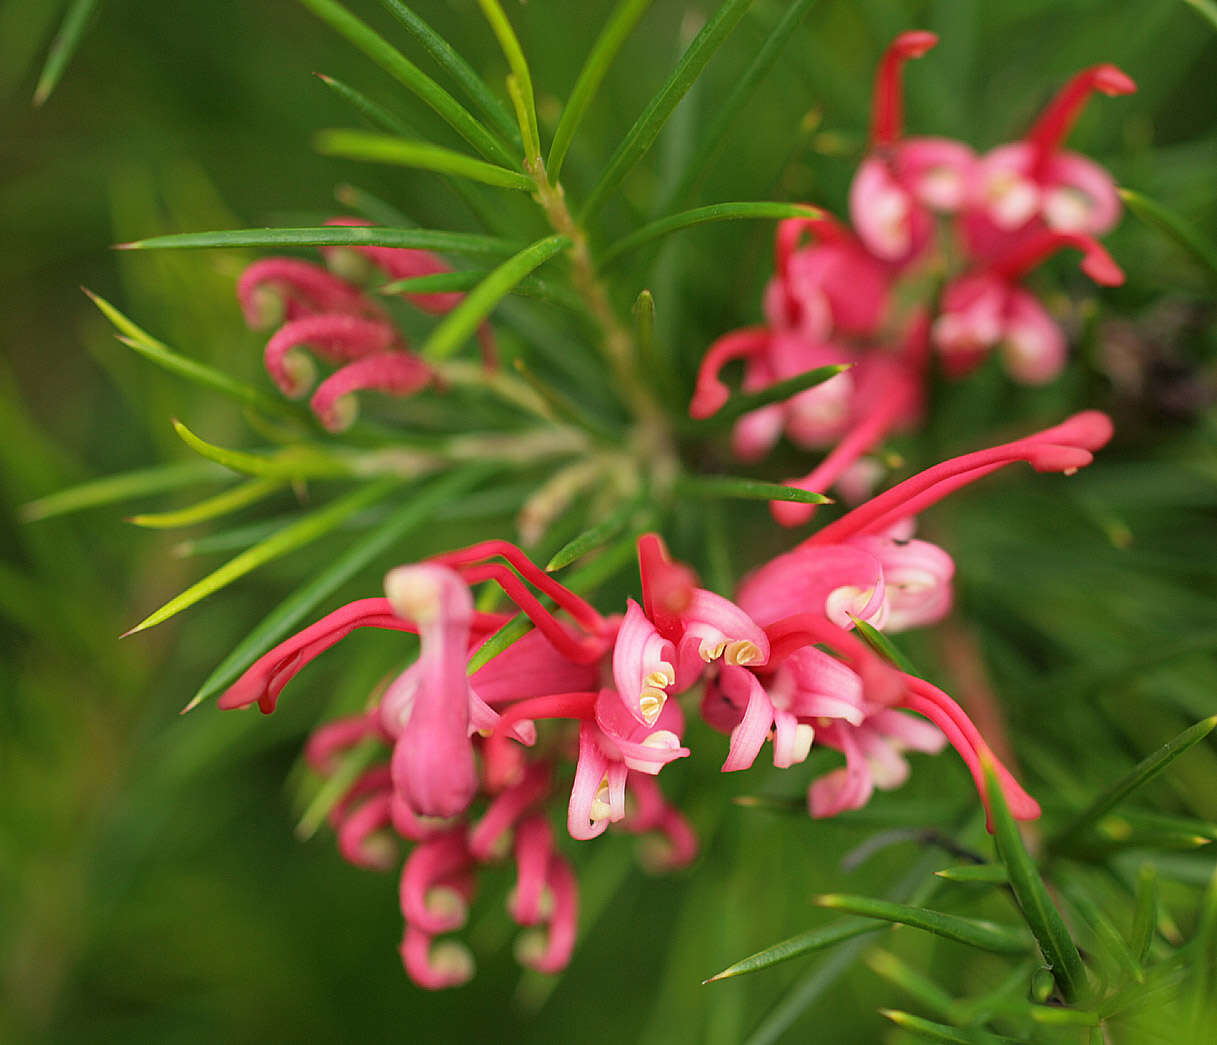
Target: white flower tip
[341, 414]
[413, 592]
[530, 947]
[299, 374]
[453, 961]
[448, 904]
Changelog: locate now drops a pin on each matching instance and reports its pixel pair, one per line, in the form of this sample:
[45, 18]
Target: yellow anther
[742, 651]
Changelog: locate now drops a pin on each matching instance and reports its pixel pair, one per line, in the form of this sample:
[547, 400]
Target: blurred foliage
[152, 888]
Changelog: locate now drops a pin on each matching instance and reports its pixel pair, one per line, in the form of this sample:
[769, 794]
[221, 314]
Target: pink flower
[988, 307]
[1034, 182]
[392, 373]
[902, 183]
[336, 336]
[276, 289]
[433, 756]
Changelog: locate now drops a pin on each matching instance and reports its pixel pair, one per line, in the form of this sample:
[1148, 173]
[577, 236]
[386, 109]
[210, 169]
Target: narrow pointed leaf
[336, 784]
[123, 487]
[1145, 917]
[619, 26]
[1111, 944]
[738, 405]
[467, 279]
[993, 874]
[971, 931]
[757, 210]
[356, 556]
[882, 645]
[512, 631]
[726, 112]
[192, 370]
[461, 323]
[746, 489]
[642, 135]
[384, 148]
[1165, 220]
[920, 1027]
[289, 464]
[1054, 1016]
[512, 51]
[448, 59]
[331, 236]
[1142, 773]
[1203, 974]
[600, 534]
[238, 497]
[373, 112]
[1207, 9]
[895, 970]
[411, 77]
[301, 533]
[1043, 919]
[797, 946]
[67, 40]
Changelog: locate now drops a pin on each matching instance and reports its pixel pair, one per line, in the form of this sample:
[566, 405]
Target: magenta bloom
[1034, 183]
[903, 182]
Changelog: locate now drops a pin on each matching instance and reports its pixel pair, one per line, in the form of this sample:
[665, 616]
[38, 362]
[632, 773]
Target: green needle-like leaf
[739, 405]
[238, 497]
[514, 630]
[512, 51]
[1207, 10]
[384, 148]
[746, 489]
[447, 58]
[411, 77]
[459, 325]
[67, 40]
[1142, 773]
[1145, 917]
[299, 534]
[1043, 919]
[123, 487]
[931, 1031]
[600, 534]
[619, 26]
[445, 282]
[200, 373]
[1054, 1016]
[290, 464]
[726, 112]
[971, 931]
[356, 556]
[1167, 221]
[371, 111]
[882, 645]
[896, 970]
[993, 874]
[797, 946]
[700, 216]
[352, 763]
[331, 236]
[646, 128]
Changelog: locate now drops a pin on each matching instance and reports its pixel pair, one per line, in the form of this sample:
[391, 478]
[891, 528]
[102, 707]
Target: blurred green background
[151, 888]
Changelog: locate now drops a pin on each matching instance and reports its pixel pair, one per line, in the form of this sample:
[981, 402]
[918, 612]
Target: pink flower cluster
[470, 762]
[318, 310]
[923, 210]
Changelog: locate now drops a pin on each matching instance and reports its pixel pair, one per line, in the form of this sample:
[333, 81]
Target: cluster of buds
[473, 753]
[925, 213]
[315, 308]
